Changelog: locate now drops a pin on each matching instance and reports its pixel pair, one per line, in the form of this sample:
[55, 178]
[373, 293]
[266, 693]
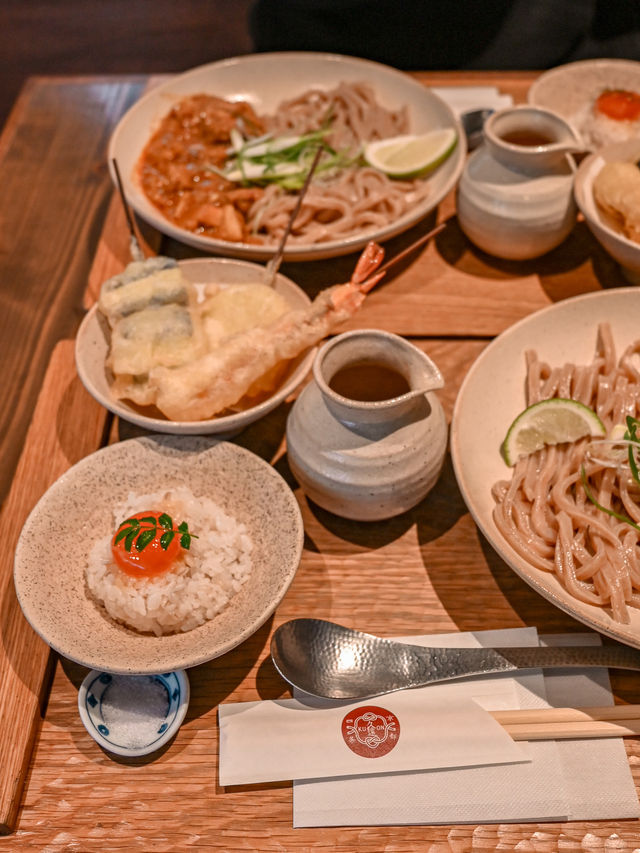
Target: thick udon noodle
[544, 512]
[360, 198]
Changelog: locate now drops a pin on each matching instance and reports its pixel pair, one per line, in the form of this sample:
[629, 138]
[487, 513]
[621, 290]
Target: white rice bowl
[77, 511]
[571, 90]
[597, 129]
[199, 585]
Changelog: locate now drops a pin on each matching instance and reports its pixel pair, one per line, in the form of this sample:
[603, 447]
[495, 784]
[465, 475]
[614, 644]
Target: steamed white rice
[197, 588]
[598, 130]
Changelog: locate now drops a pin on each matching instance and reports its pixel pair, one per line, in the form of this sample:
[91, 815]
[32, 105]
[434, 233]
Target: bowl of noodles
[537, 515]
[173, 180]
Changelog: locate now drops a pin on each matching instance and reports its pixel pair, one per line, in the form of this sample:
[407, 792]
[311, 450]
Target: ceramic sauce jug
[515, 195]
[366, 438]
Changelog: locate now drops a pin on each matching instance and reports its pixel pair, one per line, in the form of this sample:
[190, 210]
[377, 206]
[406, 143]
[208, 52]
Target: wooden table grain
[428, 571]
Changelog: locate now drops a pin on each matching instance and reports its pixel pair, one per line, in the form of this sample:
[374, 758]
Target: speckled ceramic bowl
[93, 340]
[133, 715]
[56, 539]
[570, 91]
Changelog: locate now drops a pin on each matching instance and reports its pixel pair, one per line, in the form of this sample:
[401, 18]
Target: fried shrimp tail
[222, 377]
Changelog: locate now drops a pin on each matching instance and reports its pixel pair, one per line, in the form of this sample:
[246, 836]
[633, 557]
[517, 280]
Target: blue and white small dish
[133, 715]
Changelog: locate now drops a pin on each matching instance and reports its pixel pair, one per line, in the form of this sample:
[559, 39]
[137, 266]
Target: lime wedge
[409, 156]
[549, 422]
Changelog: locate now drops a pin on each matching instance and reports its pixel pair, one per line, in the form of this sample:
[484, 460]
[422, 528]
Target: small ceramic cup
[368, 457]
[515, 196]
[530, 139]
[133, 715]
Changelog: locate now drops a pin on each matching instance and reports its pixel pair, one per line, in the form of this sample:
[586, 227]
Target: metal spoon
[333, 662]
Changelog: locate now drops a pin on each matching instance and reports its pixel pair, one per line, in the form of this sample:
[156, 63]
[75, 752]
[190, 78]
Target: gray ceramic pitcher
[368, 459]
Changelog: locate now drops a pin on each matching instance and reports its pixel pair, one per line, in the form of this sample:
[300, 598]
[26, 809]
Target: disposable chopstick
[134, 246]
[412, 247]
[565, 723]
[271, 270]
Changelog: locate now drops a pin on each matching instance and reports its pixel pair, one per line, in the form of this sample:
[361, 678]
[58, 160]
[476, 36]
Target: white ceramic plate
[571, 89]
[265, 80]
[52, 551]
[492, 394]
[92, 345]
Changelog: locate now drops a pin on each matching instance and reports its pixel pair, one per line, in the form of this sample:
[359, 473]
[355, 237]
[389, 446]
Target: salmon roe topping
[153, 559]
[619, 104]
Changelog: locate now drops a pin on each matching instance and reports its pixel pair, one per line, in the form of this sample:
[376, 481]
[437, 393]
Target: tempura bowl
[92, 349]
[623, 250]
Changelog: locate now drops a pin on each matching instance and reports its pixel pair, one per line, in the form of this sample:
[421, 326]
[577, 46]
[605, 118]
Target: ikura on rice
[158, 575]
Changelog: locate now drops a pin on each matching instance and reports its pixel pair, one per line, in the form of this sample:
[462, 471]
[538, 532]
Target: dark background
[114, 36]
[147, 36]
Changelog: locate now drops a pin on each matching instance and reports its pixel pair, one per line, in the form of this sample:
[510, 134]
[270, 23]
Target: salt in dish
[133, 715]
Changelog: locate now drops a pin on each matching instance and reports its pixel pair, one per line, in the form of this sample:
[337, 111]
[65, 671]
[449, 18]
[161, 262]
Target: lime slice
[409, 156]
[549, 422]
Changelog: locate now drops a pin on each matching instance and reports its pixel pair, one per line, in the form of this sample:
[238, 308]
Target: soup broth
[369, 382]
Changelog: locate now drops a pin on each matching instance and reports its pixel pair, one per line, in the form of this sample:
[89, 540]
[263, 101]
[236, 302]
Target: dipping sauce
[527, 137]
[369, 382]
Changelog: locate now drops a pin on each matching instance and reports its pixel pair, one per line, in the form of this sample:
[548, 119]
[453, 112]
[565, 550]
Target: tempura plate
[491, 396]
[265, 80]
[92, 347]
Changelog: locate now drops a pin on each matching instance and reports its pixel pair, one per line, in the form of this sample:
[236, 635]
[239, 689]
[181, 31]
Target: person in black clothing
[452, 34]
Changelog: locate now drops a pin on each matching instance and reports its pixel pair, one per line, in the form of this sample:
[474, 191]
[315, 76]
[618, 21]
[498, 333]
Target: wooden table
[62, 233]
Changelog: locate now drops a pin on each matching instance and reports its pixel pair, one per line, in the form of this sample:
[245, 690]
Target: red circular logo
[370, 731]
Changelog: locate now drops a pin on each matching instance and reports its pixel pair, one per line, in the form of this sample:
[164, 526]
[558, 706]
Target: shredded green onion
[630, 435]
[282, 160]
[631, 439]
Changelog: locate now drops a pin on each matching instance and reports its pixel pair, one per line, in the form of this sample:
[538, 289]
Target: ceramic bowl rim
[583, 188]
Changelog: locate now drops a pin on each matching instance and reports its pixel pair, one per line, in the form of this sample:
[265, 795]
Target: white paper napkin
[409, 730]
[464, 98]
[564, 781]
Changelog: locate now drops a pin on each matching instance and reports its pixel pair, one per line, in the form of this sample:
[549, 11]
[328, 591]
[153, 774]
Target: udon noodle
[340, 203]
[544, 512]
[359, 198]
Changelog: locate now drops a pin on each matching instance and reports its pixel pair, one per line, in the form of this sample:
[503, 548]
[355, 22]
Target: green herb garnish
[631, 436]
[142, 531]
